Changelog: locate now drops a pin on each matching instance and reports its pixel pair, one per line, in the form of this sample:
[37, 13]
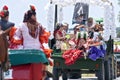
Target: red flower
[5, 8]
[2, 13]
[32, 7]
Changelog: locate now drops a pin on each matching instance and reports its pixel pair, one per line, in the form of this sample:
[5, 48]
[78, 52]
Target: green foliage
[118, 32]
[117, 42]
[119, 2]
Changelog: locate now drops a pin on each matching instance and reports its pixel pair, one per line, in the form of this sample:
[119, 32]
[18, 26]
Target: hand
[82, 26]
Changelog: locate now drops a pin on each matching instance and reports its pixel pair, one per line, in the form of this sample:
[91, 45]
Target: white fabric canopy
[69, 2]
[50, 18]
[109, 22]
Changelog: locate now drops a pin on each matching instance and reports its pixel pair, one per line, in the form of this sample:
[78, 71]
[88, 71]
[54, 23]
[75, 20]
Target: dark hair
[29, 13]
[4, 13]
[25, 17]
[58, 25]
[90, 19]
[96, 27]
[75, 29]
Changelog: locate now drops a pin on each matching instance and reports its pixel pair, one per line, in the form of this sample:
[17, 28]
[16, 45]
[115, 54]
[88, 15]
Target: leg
[56, 73]
[64, 74]
[1, 73]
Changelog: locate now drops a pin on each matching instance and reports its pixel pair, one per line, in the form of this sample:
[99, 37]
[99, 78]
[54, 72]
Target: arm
[7, 31]
[58, 37]
[18, 34]
[17, 37]
[9, 27]
[96, 44]
[81, 26]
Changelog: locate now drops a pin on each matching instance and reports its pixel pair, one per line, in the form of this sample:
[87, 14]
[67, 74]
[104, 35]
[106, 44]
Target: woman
[59, 36]
[97, 45]
[31, 35]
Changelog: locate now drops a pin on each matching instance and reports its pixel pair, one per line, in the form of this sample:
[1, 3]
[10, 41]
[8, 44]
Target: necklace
[33, 30]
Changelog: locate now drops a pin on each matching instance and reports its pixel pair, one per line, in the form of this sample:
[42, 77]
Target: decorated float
[71, 61]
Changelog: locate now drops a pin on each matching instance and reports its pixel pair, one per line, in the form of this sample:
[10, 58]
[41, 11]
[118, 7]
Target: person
[97, 46]
[75, 51]
[97, 49]
[59, 36]
[66, 26]
[6, 26]
[32, 35]
[116, 48]
[4, 21]
[78, 19]
[90, 26]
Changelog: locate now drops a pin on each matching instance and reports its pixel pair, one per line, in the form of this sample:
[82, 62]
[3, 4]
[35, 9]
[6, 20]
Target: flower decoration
[5, 8]
[2, 13]
[32, 7]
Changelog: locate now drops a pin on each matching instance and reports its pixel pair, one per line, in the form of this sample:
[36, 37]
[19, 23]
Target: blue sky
[17, 10]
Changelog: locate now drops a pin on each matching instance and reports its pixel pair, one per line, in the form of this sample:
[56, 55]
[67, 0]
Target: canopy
[108, 19]
[69, 2]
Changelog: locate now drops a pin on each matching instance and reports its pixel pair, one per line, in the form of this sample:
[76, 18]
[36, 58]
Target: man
[4, 31]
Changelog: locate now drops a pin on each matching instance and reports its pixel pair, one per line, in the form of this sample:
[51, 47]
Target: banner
[80, 8]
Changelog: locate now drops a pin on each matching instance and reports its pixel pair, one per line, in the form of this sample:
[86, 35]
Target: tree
[119, 16]
[118, 34]
[119, 11]
[119, 2]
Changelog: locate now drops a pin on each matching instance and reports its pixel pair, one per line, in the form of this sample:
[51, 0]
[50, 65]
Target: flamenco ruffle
[12, 40]
[71, 56]
[95, 53]
[43, 39]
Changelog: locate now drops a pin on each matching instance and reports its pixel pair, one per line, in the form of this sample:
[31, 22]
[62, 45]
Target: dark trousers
[1, 73]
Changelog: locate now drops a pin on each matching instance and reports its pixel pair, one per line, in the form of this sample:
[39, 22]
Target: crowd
[86, 41]
[30, 34]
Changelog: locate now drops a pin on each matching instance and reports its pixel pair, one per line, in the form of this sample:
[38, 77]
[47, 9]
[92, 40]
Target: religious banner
[80, 9]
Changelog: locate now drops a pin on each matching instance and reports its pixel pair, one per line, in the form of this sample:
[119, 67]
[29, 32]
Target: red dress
[59, 41]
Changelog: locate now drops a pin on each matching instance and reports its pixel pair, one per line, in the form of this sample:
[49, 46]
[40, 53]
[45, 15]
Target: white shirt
[28, 41]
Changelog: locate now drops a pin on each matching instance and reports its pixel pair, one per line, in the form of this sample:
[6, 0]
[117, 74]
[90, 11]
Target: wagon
[26, 65]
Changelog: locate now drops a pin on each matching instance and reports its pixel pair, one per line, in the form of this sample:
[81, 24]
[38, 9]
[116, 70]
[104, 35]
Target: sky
[17, 10]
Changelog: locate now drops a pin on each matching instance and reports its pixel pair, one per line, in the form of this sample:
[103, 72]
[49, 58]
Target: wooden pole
[55, 17]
